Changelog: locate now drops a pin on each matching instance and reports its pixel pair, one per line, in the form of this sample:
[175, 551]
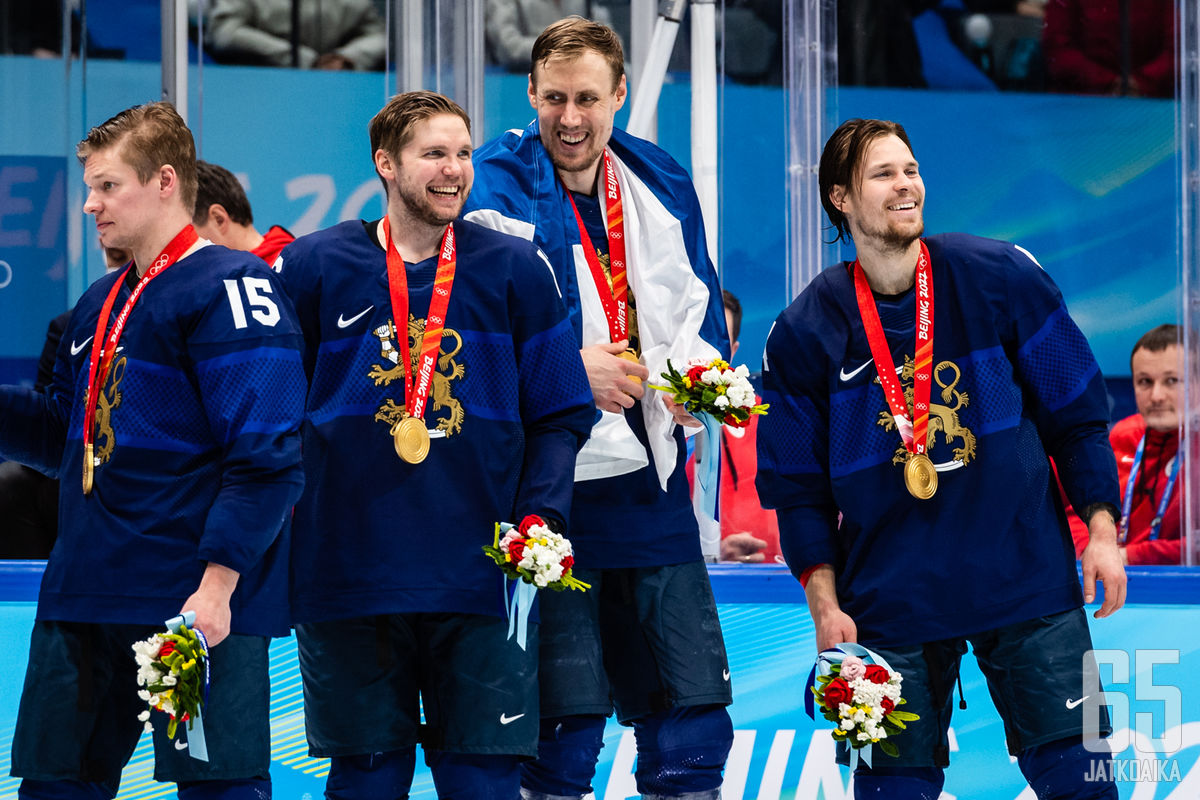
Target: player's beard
[422, 209]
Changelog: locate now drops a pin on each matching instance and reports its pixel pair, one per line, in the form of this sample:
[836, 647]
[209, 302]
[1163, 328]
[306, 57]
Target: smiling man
[621, 224]
[447, 395]
[916, 393]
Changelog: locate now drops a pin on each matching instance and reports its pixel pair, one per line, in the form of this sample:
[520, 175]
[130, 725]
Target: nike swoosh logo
[346, 323]
[725, 674]
[76, 349]
[845, 376]
[505, 719]
[1073, 703]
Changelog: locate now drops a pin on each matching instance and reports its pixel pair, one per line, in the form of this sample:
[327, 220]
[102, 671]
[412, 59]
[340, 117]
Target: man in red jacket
[1149, 463]
[223, 215]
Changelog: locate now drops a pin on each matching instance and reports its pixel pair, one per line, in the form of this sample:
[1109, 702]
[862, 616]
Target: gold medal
[920, 477]
[88, 468]
[411, 439]
[629, 355]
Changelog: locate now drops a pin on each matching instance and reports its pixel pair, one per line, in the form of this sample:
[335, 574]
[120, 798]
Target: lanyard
[104, 348]
[1127, 501]
[923, 358]
[614, 299]
[416, 393]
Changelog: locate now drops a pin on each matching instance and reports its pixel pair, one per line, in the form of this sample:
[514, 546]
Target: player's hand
[833, 626]
[1102, 562]
[612, 377]
[743, 547]
[680, 413]
[211, 602]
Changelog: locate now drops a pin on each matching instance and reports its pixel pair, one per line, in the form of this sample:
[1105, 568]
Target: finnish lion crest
[942, 418]
[448, 369]
[107, 400]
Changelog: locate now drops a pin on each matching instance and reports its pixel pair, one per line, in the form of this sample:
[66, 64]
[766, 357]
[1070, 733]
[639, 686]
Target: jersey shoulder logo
[943, 418]
[447, 369]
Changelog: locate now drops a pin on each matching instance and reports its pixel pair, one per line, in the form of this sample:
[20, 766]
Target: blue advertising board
[1147, 651]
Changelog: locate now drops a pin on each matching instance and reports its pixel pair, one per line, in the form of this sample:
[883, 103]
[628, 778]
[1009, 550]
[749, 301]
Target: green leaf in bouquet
[903, 716]
[888, 747]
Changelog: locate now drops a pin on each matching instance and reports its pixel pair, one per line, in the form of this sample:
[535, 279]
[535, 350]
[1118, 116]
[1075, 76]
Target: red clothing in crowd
[741, 510]
[1160, 450]
[1082, 44]
[273, 243]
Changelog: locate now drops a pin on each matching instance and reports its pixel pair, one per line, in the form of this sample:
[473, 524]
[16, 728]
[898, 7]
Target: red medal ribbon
[415, 396]
[615, 299]
[104, 349]
[923, 366]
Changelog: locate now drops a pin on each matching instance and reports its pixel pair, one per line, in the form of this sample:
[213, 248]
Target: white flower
[862, 736]
[144, 695]
[144, 716]
[742, 371]
[148, 728]
[169, 680]
[847, 724]
[721, 401]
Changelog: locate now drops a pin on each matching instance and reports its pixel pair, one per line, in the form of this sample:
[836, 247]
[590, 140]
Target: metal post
[704, 119]
[643, 26]
[469, 58]
[174, 54]
[810, 59]
[410, 48]
[1187, 135]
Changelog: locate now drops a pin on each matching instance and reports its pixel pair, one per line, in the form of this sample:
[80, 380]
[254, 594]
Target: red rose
[567, 563]
[166, 650]
[695, 372]
[516, 550]
[877, 674]
[837, 691]
[527, 523]
[887, 705]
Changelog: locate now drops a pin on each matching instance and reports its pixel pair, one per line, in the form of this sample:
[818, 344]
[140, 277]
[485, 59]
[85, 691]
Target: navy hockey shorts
[642, 639]
[367, 680]
[78, 718]
[1035, 675]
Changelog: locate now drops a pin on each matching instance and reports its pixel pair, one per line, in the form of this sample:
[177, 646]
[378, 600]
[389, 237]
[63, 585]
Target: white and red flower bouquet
[861, 694]
[534, 557]
[533, 553]
[172, 669]
[714, 388]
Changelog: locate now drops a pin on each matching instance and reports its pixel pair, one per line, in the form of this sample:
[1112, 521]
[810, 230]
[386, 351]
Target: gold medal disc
[920, 477]
[411, 439]
[629, 355]
[88, 469]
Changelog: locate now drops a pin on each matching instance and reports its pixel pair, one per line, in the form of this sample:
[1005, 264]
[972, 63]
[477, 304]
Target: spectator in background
[223, 215]
[514, 25]
[1149, 463]
[749, 532]
[334, 34]
[1091, 49]
[877, 45]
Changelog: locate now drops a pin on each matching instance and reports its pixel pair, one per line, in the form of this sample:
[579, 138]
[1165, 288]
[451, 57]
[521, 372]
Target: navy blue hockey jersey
[508, 409]
[1014, 381]
[198, 429]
